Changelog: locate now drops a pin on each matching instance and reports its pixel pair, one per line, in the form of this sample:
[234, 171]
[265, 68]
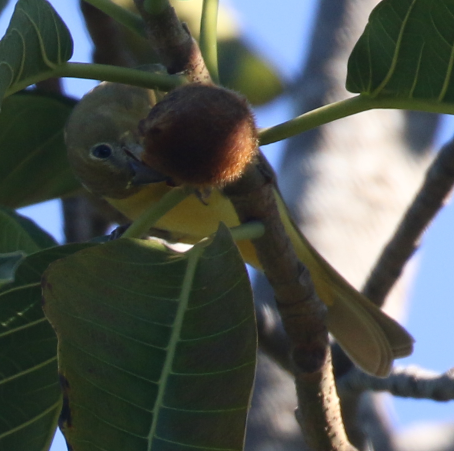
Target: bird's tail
[370, 337]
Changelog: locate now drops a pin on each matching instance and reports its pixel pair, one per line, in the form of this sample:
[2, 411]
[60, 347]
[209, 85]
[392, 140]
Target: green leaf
[32, 149]
[29, 389]
[156, 349]
[406, 51]
[36, 41]
[18, 233]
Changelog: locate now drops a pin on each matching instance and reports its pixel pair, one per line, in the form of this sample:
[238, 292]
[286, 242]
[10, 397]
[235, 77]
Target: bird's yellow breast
[191, 220]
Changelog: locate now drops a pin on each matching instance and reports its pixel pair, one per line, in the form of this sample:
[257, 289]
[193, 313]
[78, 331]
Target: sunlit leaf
[32, 149]
[36, 41]
[156, 349]
[29, 390]
[406, 51]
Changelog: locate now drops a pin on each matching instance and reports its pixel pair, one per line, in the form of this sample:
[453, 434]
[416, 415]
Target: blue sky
[432, 308]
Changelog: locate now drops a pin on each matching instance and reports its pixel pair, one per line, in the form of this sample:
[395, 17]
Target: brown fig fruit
[200, 135]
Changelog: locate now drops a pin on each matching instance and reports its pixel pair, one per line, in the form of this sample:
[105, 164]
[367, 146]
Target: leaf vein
[31, 421]
[27, 371]
[396, 51]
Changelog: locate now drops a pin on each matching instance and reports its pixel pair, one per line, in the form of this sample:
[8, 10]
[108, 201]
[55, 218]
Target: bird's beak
[143, 174]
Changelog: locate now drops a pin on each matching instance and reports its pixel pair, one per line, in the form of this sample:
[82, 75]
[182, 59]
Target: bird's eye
[101, 151]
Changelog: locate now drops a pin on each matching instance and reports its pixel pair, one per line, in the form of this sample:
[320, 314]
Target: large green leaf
[156, 349]
[32, 149]
[29, 389]
[406, 51]
[35, 42]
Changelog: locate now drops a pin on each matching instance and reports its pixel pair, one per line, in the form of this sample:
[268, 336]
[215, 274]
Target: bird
[111, 138]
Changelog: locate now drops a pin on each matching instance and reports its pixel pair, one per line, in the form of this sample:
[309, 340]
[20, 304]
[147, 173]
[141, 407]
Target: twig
[173, 43]
[302, 312]
[405, 382]
[429, 200]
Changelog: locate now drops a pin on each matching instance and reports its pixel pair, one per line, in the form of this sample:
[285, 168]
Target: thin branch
[429, 200]
[405, 382]
[173, 42]
[302, 312]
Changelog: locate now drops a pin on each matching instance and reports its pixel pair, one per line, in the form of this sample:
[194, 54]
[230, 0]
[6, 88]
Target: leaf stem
[118, 74]
[208, 37]
[155, 212]
[348, 107]
[106, 72]
[315, 118]
[248, 231]
[123, 16]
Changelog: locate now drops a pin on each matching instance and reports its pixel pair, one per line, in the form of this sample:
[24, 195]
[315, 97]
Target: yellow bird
[105, 151]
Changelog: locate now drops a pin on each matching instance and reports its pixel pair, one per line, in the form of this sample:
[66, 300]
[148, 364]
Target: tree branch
[429, 200]
[173, 42]
[303, 314]
[406, 382]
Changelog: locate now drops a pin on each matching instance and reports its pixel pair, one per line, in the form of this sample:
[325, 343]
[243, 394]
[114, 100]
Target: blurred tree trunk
[348, 184]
